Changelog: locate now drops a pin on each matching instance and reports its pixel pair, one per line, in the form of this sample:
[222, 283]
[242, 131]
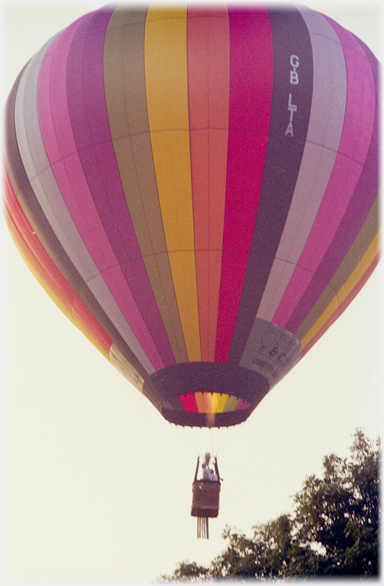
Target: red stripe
[189, 402]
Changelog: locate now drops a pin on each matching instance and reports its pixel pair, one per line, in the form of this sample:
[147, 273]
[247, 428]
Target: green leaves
[339, 513]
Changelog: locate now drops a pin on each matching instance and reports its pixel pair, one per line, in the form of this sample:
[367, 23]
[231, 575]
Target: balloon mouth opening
[206, 394]
[208, 420]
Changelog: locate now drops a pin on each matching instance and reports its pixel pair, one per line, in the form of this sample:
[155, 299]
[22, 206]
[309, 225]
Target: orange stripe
[53, 291]
[200, 402]
[344, 291]
[48, 274]
[359, 285]
[208, 95]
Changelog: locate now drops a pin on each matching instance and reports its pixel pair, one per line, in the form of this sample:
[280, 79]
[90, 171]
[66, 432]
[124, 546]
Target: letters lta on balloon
[197, 190]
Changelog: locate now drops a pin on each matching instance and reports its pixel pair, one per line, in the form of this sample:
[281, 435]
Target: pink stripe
[52, 102]
[249, 118]
[347, 169]
[90, 124]
[66, 165]
[242, 404]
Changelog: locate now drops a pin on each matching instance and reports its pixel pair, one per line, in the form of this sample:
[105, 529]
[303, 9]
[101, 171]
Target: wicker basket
[206, 497]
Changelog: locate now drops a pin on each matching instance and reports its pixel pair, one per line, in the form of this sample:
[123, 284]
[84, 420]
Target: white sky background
[97, 485]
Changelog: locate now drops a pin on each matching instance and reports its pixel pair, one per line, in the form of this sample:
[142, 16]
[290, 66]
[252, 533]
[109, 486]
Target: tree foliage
[332, 531]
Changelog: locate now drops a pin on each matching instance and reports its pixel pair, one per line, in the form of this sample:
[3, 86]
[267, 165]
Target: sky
[97, 486]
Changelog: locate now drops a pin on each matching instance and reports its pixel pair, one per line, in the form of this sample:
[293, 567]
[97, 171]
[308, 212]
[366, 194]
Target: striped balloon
[196, 188]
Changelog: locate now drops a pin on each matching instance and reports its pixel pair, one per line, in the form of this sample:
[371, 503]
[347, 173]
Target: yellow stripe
[167, 100]
[345, 290]
[222, 402]
[215, 402]
[206, 402]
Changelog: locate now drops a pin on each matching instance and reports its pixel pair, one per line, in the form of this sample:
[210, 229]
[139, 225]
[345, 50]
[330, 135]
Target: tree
[333, 530]
[339, 514]
[188, 571]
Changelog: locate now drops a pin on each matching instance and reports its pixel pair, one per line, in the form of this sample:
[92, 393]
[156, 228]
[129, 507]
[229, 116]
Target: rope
[230, 436]
[193, 451]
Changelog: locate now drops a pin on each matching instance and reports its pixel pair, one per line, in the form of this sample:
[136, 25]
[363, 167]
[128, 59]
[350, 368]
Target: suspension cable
[193, 451]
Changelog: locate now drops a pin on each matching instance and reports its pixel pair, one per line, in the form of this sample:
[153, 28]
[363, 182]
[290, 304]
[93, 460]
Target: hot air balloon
[197, 189]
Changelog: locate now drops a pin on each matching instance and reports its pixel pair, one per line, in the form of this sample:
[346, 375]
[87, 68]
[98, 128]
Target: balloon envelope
[197, 189]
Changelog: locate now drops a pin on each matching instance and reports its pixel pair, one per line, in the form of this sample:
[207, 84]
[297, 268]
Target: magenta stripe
[91, 129]
[345, 176]
[251, 81]
[57, 134]
[60, 144]
[69, 173]
[52, 100]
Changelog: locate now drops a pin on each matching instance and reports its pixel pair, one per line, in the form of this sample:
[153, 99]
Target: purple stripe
[88, 112]
[52, 106]
[70, 177]
[284, 153]
[361, 142]
[65, 164]
[45, 191]
[323, 139]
